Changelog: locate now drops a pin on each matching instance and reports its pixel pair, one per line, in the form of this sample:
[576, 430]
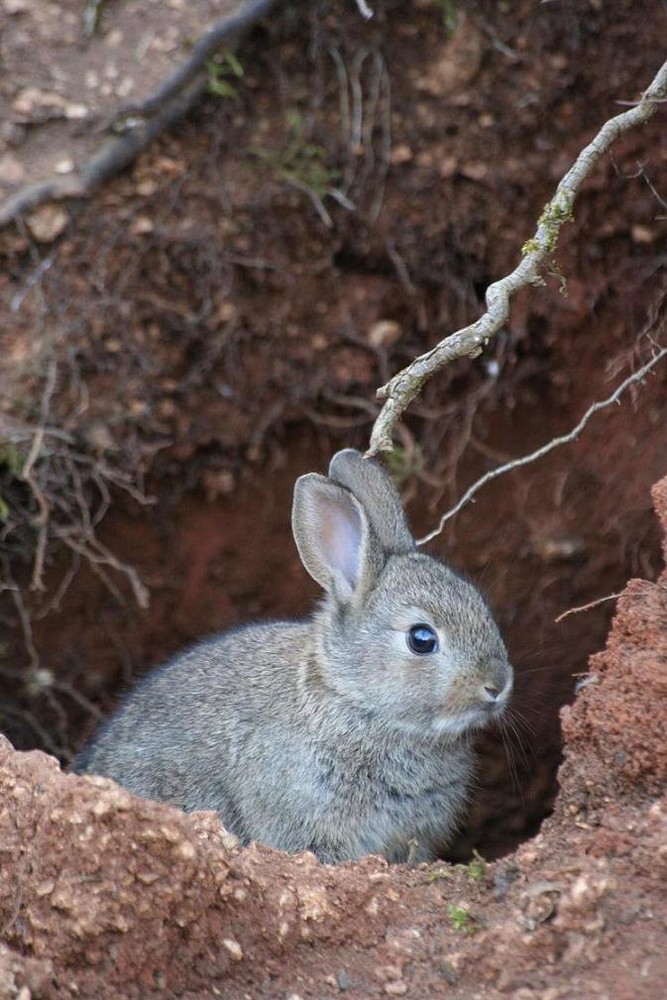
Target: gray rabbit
[346, 734]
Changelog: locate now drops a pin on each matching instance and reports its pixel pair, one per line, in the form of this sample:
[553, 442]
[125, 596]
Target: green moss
[438, 874]
[221, 69]
[530, 246]
[300, 161]
[12, 461]
[476, 868]
[554, 215]
[450, 15]
[461, 919]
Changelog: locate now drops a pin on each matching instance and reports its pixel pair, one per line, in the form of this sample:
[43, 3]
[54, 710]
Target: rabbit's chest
[381, 806]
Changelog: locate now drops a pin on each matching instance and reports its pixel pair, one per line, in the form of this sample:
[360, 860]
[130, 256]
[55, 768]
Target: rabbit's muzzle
[493, 699]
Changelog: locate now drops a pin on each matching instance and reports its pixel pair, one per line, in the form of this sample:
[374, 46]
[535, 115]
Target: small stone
[230, 841]
[475, 170]
[114, 38]
[76, 111]
[217, 483]
[12, 170]
[101, 808]
[147, 187]
[170, 834]
[45, 888]
[402, 153]
[392, 972]
[448, 167]
[138, 407]
[397, 988]
[234, 949]
[225, 312]
[314, 904]
[449, 973]
[142, 225]
[384, 333]
[642, 234]
[64, 166]
[344, 981]
[47, 223]
[186, 850]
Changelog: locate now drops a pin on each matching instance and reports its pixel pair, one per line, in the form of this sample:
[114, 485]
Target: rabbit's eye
[422, 639]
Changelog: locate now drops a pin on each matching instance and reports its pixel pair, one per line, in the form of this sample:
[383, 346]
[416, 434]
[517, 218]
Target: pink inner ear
[341, 541]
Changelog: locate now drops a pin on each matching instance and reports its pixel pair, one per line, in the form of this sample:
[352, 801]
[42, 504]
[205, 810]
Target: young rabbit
[347, 734]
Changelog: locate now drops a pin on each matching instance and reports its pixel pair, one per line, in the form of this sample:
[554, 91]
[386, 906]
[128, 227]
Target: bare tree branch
[162, 109]
[399, 392]
[546, 448]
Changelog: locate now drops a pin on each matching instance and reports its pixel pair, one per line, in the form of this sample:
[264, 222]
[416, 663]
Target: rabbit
[346, 734]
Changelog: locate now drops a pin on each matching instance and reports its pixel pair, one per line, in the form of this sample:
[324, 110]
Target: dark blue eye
[422, 639]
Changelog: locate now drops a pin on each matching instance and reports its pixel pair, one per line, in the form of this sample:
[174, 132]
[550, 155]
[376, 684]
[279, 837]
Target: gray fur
[328, 735]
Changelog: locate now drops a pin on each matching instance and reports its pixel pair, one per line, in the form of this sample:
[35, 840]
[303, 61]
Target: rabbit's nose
[495, 693]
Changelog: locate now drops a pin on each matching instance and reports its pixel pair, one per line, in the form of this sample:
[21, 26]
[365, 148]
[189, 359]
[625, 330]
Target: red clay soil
[106, 895]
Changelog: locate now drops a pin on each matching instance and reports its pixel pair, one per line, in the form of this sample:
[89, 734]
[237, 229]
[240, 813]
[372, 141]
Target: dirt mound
[104, 894]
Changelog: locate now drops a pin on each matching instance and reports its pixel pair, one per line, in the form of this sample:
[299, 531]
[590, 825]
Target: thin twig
[545, 449]
[399, 392]
[41, 520]
[364, 9]
[587, 607]
[99, 557]
[318, 204]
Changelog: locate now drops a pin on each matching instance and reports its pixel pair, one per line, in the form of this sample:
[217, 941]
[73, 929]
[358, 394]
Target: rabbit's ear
[373, 487]
[333, 537]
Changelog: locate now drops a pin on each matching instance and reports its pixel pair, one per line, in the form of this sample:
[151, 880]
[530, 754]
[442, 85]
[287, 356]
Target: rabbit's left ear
[333, 537]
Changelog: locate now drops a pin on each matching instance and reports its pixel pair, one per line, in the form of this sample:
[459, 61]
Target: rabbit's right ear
[333, 537]
[373, 487]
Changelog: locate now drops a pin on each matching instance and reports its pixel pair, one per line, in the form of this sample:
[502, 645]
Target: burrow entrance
[202, 335]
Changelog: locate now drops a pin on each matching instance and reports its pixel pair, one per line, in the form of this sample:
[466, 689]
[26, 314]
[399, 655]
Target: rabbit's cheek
[456, 725]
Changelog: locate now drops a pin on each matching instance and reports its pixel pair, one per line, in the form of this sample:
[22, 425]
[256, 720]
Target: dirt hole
[203, 337]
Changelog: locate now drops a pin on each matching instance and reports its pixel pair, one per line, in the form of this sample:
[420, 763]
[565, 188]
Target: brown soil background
[210, 337]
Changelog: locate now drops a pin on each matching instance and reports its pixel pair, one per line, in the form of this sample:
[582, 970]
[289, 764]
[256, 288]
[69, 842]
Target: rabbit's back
[183, 733]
